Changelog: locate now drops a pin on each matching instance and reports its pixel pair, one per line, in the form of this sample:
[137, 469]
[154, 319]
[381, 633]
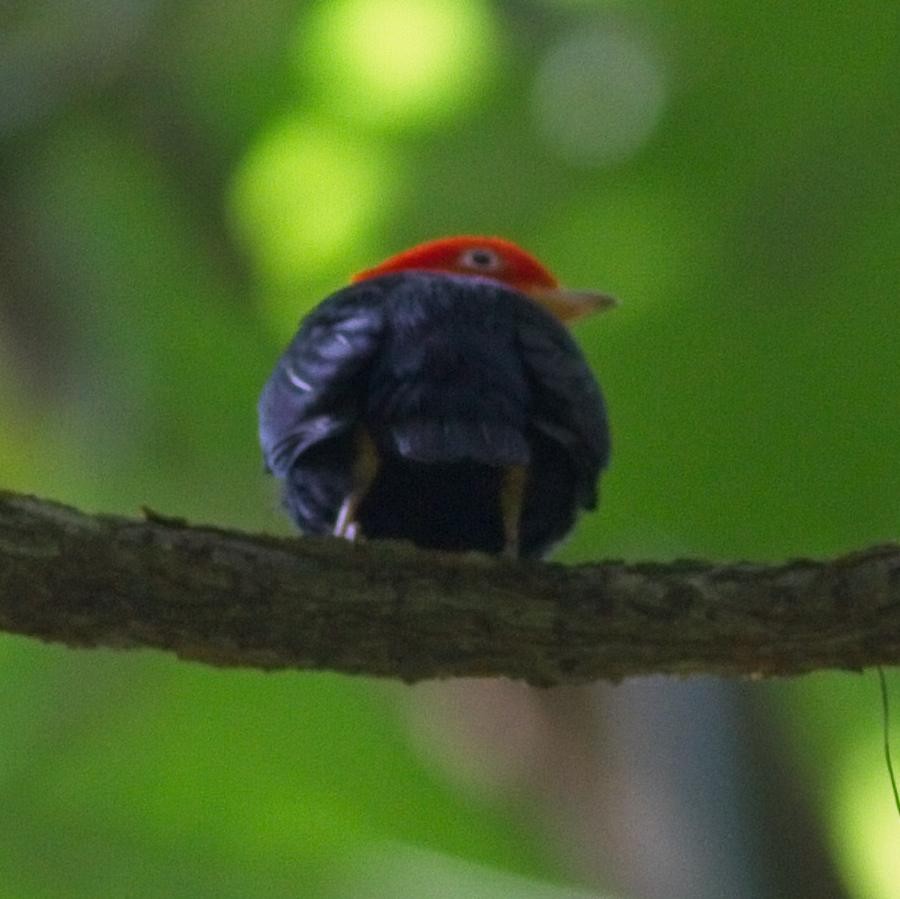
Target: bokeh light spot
[598, 96]
[397, 62]
[303, 196]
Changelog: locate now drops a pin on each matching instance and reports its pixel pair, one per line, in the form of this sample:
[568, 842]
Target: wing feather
[567, 405]
[316, 391]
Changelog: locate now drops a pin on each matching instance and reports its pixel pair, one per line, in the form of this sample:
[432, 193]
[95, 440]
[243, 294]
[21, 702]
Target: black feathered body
[454, 379]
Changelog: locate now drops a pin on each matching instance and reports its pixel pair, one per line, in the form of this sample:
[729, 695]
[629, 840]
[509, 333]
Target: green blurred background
[180, 182]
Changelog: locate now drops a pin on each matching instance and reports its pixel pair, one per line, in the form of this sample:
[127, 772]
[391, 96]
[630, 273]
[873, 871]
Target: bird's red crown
[490, 257]
[497, 259]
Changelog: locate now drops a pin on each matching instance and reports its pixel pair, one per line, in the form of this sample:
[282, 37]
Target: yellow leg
[512, 498]
[365, 470]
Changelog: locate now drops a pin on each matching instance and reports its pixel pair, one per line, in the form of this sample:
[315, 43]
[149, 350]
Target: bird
[440, 399]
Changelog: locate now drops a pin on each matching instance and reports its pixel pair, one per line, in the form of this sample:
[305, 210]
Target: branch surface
[389, 609]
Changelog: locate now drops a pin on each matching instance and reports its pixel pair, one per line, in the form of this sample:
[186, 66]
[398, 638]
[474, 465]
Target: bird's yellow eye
[480, 259]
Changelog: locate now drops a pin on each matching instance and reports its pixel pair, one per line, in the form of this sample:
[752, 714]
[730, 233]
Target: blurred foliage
[179, 183]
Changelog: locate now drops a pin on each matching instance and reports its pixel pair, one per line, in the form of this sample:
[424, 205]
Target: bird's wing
[567, 405]
[316, 389]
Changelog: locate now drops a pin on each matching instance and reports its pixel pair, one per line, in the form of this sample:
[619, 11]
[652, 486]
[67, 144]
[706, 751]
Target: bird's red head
[497, 259]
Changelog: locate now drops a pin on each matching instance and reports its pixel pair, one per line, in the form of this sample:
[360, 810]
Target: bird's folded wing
[316, 391]
[567, 405]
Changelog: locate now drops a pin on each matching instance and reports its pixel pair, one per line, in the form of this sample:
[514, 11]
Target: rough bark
[389, 609]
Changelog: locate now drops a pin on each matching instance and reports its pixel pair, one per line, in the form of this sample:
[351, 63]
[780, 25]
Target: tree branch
[389, 609]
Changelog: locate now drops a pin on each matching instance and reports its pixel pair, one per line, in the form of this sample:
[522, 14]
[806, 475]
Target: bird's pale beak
[571, 305]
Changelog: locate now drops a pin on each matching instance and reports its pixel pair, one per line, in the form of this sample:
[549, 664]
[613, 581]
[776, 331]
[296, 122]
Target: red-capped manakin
[440, 399]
